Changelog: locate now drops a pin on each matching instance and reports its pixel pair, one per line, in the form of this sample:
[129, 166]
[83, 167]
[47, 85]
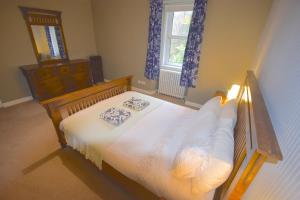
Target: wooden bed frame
[255, 139]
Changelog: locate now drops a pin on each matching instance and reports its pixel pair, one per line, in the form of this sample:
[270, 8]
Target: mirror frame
[36, 16]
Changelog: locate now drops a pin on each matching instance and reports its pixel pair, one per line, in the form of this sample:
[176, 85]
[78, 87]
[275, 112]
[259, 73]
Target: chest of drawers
[49, 81]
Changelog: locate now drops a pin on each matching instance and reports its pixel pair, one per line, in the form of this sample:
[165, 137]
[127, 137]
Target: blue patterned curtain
[154, 37]
[192, 51]
[47, 30]
[60, 43]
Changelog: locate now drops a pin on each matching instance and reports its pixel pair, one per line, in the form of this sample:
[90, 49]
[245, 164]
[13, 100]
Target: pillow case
[212, 106]
[220, 159]
[229, 113]
[193, 154]
[189, 160]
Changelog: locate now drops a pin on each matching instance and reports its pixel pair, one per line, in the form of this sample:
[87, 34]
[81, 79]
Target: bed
[125, 149]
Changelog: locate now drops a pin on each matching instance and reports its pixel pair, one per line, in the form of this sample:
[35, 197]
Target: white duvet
[143, 148]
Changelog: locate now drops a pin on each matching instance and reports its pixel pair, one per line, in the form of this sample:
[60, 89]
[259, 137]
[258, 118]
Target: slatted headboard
[255, 141]
[63, 106]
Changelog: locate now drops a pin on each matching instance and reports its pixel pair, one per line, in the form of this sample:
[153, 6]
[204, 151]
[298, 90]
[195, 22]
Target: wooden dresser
[53, 80]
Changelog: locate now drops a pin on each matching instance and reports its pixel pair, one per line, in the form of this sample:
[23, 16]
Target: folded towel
[115, 116]
[136, 104]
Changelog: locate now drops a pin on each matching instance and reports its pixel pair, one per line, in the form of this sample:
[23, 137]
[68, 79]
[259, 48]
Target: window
[176, 25]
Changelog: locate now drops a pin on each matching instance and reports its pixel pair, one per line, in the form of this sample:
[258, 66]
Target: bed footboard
[255, 141]
[63, 106]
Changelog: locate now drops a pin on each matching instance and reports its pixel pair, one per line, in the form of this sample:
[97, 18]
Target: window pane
[177, 51]
[181, 23]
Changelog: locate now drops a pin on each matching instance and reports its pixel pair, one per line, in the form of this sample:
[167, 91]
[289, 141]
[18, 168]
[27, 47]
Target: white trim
[167, 26]
[16, 101]
[193, 104]
[171, 68]
[151, 92]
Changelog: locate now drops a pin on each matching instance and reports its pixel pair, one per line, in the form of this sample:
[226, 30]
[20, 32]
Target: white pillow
[229, 113]
[193, 154]
[220, 159]
[212, 106]
[189, 160]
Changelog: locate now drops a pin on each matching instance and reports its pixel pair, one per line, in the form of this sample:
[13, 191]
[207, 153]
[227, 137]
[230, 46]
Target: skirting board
[16, 101]
[193, 104]
[151, 92]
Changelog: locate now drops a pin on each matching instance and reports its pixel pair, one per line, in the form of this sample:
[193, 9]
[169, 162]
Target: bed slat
[61, 107]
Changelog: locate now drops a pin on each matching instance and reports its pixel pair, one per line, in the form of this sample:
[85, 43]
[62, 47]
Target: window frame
[167, 27]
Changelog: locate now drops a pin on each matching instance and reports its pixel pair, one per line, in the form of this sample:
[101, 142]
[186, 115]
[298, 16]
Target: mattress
[142, 148]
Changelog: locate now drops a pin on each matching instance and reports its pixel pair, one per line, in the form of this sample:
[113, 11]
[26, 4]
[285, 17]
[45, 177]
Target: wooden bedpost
[63, 106]
[56, 119]
[129, 79]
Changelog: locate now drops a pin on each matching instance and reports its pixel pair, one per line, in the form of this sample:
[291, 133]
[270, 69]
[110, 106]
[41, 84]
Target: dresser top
[35, 66]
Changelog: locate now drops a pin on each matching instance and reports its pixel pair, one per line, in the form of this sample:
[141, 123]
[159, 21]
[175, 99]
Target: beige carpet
[32, 165]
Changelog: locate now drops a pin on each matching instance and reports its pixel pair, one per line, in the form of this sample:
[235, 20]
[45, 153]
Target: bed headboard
[63, 106]
[255, 141]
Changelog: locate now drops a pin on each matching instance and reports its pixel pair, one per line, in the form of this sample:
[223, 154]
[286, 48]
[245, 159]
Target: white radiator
[169, 84]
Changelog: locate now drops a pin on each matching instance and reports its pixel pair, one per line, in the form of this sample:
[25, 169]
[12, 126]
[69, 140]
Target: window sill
[171, 68]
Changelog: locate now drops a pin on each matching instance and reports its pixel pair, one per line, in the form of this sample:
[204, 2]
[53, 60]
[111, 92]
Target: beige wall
[231, 33]
[121, 29]
[232, 30]
[16, 48]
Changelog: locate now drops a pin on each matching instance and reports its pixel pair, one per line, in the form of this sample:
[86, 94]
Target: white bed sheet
[143, 148]
[86, 132]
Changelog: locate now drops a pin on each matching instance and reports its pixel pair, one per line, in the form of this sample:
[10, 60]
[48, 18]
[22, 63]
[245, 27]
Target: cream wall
[121, 29]
[232, 30]
[16, 48]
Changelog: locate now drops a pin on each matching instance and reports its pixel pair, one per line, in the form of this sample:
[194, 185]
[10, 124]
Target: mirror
[48, 42]
[46, 33]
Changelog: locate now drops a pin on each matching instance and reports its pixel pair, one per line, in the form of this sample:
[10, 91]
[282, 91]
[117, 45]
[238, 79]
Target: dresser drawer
[42, 74]
[57, 79]
[64, 70]
[81, 80]
[80, 67]
[49, 88]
